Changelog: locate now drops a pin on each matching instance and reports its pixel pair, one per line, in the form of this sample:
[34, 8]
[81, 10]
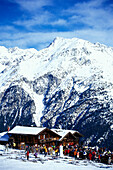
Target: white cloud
[7, 28]
[95, 20]
[39, 19]
[91, 14]
[32, 5]
[45, 18]
[59, 22]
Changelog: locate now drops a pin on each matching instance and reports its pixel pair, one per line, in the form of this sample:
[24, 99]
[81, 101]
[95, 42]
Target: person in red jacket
[90, 156]
[99, 157]
[27, 155]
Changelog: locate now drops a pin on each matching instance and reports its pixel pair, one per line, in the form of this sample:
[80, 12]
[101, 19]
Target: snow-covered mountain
[67, 85]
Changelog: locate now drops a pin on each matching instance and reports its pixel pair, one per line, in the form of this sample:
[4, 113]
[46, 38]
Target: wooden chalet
[68, 136]
[21, 136]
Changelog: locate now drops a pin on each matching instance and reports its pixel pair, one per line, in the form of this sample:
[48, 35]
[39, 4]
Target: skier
[27, 154]
[6, 147]
[90, 156]
[45, 150]
[77, 154]
[14, 145]
[35, 154]
[109, 161]
[56, 151]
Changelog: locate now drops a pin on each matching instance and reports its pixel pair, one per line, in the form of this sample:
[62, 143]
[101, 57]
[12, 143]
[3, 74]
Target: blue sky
[35, 23]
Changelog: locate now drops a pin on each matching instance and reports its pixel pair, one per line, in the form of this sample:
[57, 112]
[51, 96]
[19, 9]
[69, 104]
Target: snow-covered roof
[26, 130]
[36, 130]
[63, 132]
[4, 136]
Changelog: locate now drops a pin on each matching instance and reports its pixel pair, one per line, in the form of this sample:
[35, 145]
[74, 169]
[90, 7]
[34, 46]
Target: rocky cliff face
[68, 85]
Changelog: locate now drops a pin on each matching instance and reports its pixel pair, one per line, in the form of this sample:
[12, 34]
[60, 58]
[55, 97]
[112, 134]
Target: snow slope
[10, 164]
[16, 159]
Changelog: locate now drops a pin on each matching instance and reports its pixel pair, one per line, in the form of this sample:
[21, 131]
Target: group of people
[46, 150]
[93, 153]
